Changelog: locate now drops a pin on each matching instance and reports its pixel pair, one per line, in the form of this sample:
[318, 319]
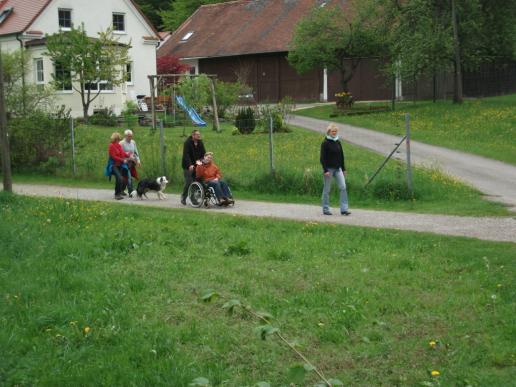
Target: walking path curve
[488, 228]
[494, 178]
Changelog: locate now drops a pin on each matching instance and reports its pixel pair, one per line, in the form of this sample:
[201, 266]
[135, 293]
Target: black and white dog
[157, 185]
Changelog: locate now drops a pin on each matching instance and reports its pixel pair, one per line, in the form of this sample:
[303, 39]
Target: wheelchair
[200, 194]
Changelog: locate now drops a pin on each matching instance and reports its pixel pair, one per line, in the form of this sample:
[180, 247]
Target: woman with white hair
[332, 161]
[129, 146]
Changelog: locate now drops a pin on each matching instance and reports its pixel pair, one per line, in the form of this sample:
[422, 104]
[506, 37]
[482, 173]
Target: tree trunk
[85, 108]
[457, 76]
[4, 138]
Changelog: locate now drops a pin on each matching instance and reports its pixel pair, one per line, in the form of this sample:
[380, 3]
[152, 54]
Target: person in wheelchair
[208, 172]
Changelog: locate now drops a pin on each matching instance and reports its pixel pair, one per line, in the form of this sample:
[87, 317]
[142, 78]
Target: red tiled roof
[24, 13]
[239, 27]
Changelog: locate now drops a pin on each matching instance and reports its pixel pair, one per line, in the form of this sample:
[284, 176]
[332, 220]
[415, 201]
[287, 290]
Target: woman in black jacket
[332, 161]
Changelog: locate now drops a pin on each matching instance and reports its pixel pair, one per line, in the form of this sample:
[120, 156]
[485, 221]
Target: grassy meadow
[100, 294]
[244, 160]
[486, 127]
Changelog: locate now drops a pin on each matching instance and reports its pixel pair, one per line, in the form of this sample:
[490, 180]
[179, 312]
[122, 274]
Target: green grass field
[244, 160]
[98, 294]
[486, 126]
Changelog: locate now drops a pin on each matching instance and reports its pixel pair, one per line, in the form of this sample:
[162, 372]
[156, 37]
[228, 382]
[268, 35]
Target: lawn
[486, 126]
[244, 161]
[98, 294]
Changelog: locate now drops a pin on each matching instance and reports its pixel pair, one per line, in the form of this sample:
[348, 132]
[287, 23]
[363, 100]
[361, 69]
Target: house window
[118, 22]
[5, 13]
[187, 36]
[39, 74]
[105, 86]
[129, 73]
[65, 19]
[63, 77]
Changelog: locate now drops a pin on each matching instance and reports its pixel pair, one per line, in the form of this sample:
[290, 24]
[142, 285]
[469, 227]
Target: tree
[87, 64]
[329, 37]
[152, 9]
[431, 36]
[21, 97]
[170, 64]
[179, 10]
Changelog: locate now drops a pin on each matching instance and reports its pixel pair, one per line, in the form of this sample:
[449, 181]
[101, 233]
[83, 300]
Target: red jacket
[117, 153]
[208, 172]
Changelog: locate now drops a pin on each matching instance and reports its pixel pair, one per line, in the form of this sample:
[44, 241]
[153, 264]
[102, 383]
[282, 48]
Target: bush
[38, 139]
[196, 91]
[245, 120]
[103, 118]
[227, 95]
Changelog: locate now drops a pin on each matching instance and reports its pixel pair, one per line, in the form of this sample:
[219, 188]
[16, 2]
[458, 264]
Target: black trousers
[188, 175]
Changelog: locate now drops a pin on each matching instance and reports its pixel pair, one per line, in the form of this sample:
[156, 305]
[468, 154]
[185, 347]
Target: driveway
[501, 229]
[495, 179]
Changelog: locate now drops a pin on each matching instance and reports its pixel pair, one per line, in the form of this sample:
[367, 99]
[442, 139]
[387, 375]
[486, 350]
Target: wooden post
[72, 130]
[271, 147]
[407, 142]
[162, 148]
[6, 154]
[153, 108]
[215, 110]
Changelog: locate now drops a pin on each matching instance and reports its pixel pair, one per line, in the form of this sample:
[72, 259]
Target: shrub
[38, 139]
[103, 118]
[226, 95]
[245, 120]
[196, 91]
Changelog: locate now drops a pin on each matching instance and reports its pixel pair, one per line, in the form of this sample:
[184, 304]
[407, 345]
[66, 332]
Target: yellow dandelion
[435, 373]
[432, 343]
[87, 330]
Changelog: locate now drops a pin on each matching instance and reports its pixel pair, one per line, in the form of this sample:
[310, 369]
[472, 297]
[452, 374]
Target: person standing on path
[332, 161]
[193, 151]
[129, 146]
[117, 162]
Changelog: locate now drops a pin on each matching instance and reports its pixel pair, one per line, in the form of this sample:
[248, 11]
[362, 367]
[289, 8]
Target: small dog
[157, 185]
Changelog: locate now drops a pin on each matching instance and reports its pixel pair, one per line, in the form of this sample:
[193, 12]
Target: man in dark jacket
[193, 151]
[332, 162]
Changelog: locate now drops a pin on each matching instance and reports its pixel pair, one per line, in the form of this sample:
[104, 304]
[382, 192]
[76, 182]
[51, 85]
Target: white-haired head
[128, 132]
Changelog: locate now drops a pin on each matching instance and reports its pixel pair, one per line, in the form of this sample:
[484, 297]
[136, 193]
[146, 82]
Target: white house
[24, 23]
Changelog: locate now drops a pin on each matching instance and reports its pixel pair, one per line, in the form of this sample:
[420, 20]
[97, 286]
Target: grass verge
[113, 297]
[484, 126]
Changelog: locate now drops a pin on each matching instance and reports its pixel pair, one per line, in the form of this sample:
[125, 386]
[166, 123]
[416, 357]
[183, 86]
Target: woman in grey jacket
[332, 161]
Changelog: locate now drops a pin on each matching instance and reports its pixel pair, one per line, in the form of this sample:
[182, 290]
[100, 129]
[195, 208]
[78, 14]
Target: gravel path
[487, 228]
[494, 178]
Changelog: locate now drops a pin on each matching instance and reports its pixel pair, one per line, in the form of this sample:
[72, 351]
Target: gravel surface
[487, 228]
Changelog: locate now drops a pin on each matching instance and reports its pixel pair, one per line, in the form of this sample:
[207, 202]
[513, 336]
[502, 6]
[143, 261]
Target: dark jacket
[191, 152]
[332, 155]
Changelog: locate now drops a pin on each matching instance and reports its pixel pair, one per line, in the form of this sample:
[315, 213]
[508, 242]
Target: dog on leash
[157, 185]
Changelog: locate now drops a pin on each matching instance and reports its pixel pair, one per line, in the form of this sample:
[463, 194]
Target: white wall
[97, 16]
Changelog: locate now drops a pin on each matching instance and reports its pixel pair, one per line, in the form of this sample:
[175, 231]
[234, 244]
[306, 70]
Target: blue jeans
[341, 181]
[221, 188]
[119, 180]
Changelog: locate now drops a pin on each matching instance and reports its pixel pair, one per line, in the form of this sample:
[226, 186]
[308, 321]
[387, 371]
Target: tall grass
[486, 126]
[98, 294]
[244, 160]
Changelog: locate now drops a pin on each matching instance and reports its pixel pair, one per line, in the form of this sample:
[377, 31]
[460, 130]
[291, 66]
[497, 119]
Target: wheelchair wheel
[196, 194]
[211, 198]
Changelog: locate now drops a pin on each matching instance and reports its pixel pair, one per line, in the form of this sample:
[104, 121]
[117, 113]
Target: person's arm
[115, 153]
[218, 175]
[199, 171]
[136, 153]
[323, 157]
[343, 166]
[187, 161]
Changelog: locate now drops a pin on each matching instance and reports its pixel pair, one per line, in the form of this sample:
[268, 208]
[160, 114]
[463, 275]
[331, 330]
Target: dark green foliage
[245, 120]
[38, 140]
[103, 118]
